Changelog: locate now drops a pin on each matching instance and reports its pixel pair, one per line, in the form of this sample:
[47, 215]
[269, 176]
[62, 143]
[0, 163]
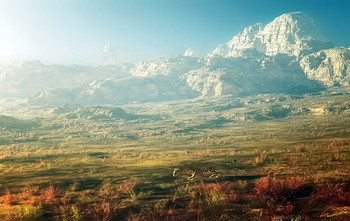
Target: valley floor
[263, 158]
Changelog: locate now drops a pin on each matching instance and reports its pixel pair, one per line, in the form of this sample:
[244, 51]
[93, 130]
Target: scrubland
[269, 158]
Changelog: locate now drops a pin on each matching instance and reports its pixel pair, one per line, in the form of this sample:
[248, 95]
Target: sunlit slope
[288, 55]
[7, 122]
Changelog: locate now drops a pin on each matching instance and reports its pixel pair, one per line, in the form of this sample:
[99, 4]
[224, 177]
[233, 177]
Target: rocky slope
[7, 122]
[289, 55]
[99, 113]
[331, 66]
[211, 76]
[294, 34]
[246, 76]
[155, 80]
[167, 66]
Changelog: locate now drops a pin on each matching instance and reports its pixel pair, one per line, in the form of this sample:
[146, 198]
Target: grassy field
[269, 157]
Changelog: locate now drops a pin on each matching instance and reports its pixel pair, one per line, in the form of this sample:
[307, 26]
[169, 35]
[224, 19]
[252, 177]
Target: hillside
[288, 55]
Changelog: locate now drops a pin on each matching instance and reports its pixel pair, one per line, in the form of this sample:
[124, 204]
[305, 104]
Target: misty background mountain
[288, 55]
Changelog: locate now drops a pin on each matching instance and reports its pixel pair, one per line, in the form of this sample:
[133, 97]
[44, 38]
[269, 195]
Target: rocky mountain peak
[294, 34]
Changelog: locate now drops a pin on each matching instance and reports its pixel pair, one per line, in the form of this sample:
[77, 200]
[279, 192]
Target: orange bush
[9, 199]
[280, 195]
[51, 194]
[30, 196]
[102, 211]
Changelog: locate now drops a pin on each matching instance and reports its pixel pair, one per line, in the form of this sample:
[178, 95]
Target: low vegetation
[176, 161]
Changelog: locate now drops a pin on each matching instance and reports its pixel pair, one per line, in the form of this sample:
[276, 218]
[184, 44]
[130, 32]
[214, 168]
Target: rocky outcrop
[244, 76]
[118, 91]
[294, 34]
[289, 55]
[331, 66]
[166, 66]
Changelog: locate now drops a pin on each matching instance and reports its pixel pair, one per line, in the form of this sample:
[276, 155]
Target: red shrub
[280, 195]
[9, 198]
[334, 194]
[102, 211]
[51, 194]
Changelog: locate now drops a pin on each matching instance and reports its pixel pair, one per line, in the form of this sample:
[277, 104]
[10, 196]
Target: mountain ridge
[287, 55]
[286, 34]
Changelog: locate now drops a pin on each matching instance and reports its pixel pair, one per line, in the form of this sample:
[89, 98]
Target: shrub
[261, 158]
[293, 161]
[334, 194]
[51, 194]
[209, 200]
[161, 210]
[25, 212]
[280, 196]
[70, 213]
[30, 196]
[126, 187]
[103, 211]
[9, 199]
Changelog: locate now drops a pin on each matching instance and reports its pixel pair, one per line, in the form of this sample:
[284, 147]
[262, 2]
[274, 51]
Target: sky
[77, 31]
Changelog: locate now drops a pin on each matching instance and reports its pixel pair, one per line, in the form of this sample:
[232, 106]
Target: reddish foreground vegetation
[270, 198]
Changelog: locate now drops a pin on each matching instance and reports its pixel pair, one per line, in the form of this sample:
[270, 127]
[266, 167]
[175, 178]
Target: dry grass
[70, 213]
[261, 158]
[126, 187]
[291, 150]
[209, 200]
[159, 211]
[337, 213]
[293, 161]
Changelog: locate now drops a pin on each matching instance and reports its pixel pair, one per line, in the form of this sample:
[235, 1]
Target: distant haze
[95, 32]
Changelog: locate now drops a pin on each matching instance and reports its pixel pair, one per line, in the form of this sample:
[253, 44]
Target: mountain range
[288, 55]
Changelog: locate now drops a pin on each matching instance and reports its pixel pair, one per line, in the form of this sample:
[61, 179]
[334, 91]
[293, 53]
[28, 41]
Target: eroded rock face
[294, 34]
[331, 66]
[288, 55]
[244, 76]
[205, 81]
[119, 91]
[166, 66]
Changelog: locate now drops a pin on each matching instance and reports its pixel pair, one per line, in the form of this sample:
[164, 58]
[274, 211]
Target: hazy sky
[76, 31]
